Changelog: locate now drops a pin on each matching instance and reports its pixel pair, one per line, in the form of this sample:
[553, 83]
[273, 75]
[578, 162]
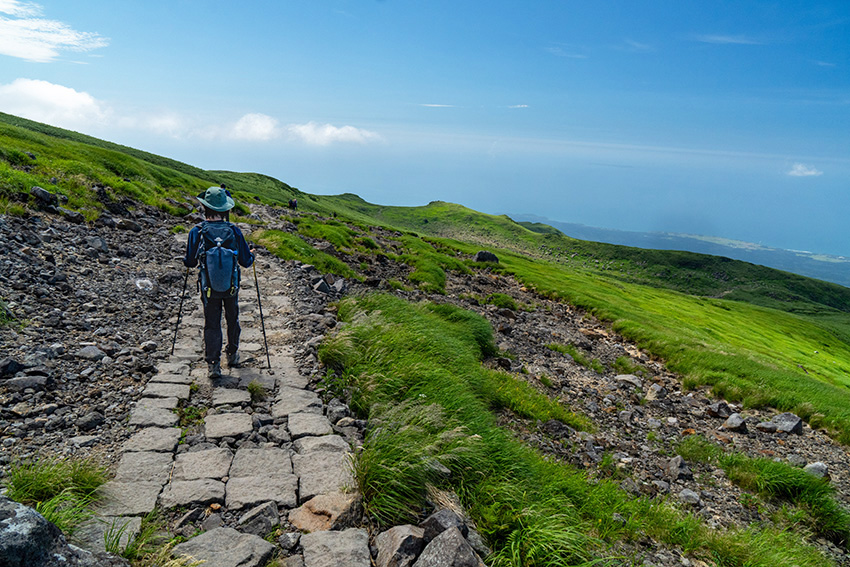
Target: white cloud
[259, 127]
[50, 103]
[438, 105]
[20, 9]
[325, 134]
[727, 39]
[29, 37]
[65, 107]
[803, 170]
[519, 106]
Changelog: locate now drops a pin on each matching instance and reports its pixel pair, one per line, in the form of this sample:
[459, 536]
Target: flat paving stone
[322, 472]
[211, 463]
[160, 390]
[128, 498]
[199, 492]
[324, 443]
[172, 367]
[246, 491]
[251, 334]
[172, 378]
[226, 547]
[287, 372]
[264, 461]
[148, 416]
[266, 381]
[283, 302]
[92, 534]
[167, 403]
[308, 425]
[333, 548]
[154, 439]
[227, 425]
[230, 396]
[295, 400]
[144, 467]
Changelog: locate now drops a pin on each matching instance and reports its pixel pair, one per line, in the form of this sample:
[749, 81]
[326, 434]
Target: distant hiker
[220, 248]
[293, 204]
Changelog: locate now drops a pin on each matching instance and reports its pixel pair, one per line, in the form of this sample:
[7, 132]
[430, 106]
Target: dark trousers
[212, 326]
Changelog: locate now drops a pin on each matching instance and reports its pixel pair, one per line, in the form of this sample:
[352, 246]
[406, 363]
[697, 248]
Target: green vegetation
[754, 335]
[415, 373]
[774, 339]
[258, 393]
[624, 365]
[61, 491]
[501, 300]
[815, 509]
[71, 165]
[190, 415]
[6, 316]
[579, 357]
[291, 247]
[429, 261]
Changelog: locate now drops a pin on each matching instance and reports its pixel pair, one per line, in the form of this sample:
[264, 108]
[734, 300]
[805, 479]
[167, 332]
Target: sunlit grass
[61, 490]
[414, 371]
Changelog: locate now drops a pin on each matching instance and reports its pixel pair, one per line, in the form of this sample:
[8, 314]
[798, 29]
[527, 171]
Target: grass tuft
[60, 490]
[817, 510]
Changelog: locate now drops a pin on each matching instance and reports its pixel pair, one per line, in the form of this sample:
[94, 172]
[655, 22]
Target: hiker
[220, 248]
[293, 204]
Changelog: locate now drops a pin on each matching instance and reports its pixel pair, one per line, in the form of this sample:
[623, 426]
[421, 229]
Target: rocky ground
[115, 288]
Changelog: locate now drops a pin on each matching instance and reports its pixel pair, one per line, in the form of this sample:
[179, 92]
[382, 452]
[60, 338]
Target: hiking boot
[215, 369]
[233, 360]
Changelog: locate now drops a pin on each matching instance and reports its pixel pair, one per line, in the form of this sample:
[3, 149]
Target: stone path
[236, 469]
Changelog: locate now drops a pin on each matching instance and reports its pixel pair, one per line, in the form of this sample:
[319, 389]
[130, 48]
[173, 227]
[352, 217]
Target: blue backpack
[217, 252]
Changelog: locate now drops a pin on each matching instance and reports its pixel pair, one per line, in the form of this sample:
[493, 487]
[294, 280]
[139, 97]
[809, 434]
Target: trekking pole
[262, 322]
[179, 311]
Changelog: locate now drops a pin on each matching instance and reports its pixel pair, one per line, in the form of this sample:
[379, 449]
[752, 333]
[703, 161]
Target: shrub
[502, 300]
[258, 393]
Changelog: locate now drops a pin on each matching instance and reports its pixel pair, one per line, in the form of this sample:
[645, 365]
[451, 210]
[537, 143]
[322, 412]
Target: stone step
[261, 483]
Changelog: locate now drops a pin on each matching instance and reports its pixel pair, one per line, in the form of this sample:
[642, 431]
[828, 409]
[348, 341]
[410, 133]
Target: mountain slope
[825, 267]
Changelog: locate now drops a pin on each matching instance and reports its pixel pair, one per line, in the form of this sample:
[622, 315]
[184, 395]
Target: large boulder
[449, 549]
[27, 539]
[677, 468]
[43, 197]
[485, 256]
[399, 546]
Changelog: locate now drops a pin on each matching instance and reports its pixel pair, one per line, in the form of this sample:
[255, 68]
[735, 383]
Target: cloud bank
[54, 104]
[25, 35]
[803, 170]
[65, 107]
[325, 134]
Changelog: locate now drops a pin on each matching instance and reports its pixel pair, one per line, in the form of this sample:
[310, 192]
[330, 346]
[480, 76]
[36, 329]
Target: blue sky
[717, 118]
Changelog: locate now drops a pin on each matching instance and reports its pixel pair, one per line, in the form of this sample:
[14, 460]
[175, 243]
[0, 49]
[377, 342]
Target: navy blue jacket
[244, 256]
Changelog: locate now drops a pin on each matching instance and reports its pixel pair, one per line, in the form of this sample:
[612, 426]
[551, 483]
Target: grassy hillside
[72, 165]
[761, 336]
[754, 333]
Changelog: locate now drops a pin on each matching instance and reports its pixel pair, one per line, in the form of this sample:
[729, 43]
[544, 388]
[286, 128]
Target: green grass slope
[754, 334]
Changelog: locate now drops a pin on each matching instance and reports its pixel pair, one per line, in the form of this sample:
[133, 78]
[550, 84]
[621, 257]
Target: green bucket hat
[216, 198]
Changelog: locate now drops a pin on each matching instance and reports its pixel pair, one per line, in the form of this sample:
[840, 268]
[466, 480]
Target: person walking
[218, 247]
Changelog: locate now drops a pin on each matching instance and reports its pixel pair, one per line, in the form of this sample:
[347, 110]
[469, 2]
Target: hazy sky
[708, 117]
